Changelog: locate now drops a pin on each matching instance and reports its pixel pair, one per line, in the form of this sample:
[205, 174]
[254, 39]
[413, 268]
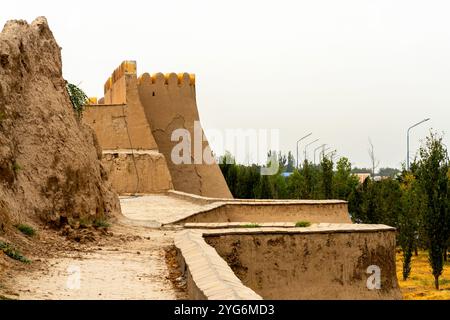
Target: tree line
[416, 202]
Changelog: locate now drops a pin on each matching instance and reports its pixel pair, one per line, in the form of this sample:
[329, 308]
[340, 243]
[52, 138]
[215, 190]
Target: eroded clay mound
[49, 161]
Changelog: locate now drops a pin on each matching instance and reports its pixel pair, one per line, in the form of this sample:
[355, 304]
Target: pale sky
[345, 70]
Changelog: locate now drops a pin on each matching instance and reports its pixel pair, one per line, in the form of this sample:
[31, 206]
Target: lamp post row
[325, 149]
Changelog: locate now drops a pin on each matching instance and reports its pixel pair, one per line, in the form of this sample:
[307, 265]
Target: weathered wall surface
[49, 161]
[152, 175]
[311, 265]
[122, 125]
[277, 211]
[142, 114]
[130, 153]
[208, 277]
[170, 104]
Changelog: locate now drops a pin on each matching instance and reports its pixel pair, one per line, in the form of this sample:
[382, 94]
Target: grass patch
[303, 224]
[26, 229]
[13, 253]
[84, 223]
[16, 167]
[420, 284]
[101, 223]
[250, 225]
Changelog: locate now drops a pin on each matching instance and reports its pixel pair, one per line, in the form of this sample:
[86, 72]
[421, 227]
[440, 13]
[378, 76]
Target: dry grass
[420, 284]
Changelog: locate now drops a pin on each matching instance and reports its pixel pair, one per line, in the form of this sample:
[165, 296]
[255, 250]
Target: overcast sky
[344, 70]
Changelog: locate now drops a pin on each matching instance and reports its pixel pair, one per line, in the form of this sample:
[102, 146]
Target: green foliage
[280, 187]
[361, 170]
[84, 223]
[303, 224]
[78, 98]
[251, 225]
[389, 172]
[265, 189]
[416, 203]
[296, 186]
[290, 166]
[101, 223]
[16, 167]
[310, 177]
[409, 219]
[376, 202]
[327, 177]
[26, 229]
[344, 180]
[13, 253]
[432, 176]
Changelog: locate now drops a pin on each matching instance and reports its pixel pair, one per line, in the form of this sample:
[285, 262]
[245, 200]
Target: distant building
[362, 177]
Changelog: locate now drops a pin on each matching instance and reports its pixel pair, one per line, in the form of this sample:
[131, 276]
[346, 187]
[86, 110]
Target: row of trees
[416, 202]
[309, 182]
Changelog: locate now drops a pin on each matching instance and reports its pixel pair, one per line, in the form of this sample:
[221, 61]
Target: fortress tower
[134, 124]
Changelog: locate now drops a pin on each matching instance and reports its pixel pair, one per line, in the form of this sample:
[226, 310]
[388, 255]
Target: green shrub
[251, 225]
[13, 253]
[16, 167]
[302, 224]
[84, 223]
[26, 229]
[78, 98]
[101, 223]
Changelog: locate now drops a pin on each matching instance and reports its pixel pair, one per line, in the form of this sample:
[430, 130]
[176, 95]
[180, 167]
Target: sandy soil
[129, 264]
[127, 261]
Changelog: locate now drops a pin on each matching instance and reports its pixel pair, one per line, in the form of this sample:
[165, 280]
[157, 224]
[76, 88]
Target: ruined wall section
[312, 263]
[49, 160]
[170, 103]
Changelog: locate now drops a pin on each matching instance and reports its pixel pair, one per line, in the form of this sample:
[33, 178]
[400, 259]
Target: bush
[78, 98]
[251, 225]
[26, 229]
[13, 253]
[16, 167]
[101, 223]
[303, 224]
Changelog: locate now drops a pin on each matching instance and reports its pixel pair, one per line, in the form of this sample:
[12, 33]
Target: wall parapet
[208, 275]
[126, 67]
[168, 78]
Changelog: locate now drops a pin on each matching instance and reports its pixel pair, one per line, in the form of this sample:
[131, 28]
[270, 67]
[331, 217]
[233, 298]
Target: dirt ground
[420, 285]
[127, 263]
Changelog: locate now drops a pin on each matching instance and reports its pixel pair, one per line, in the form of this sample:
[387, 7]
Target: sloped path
[128, 265]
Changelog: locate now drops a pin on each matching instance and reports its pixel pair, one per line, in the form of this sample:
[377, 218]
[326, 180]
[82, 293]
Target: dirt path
[129, 265]
[158, 208]
[128, 262]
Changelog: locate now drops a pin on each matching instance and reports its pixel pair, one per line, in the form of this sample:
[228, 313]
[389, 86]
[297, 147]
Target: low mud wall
[208, 276]
[312, 263]
[272, 212]
[151, 176]
[244, 210]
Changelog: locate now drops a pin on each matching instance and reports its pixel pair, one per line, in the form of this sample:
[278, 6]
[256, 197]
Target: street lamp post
[306, 147]
[298, 141]
[315, 150]
[407, 140]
